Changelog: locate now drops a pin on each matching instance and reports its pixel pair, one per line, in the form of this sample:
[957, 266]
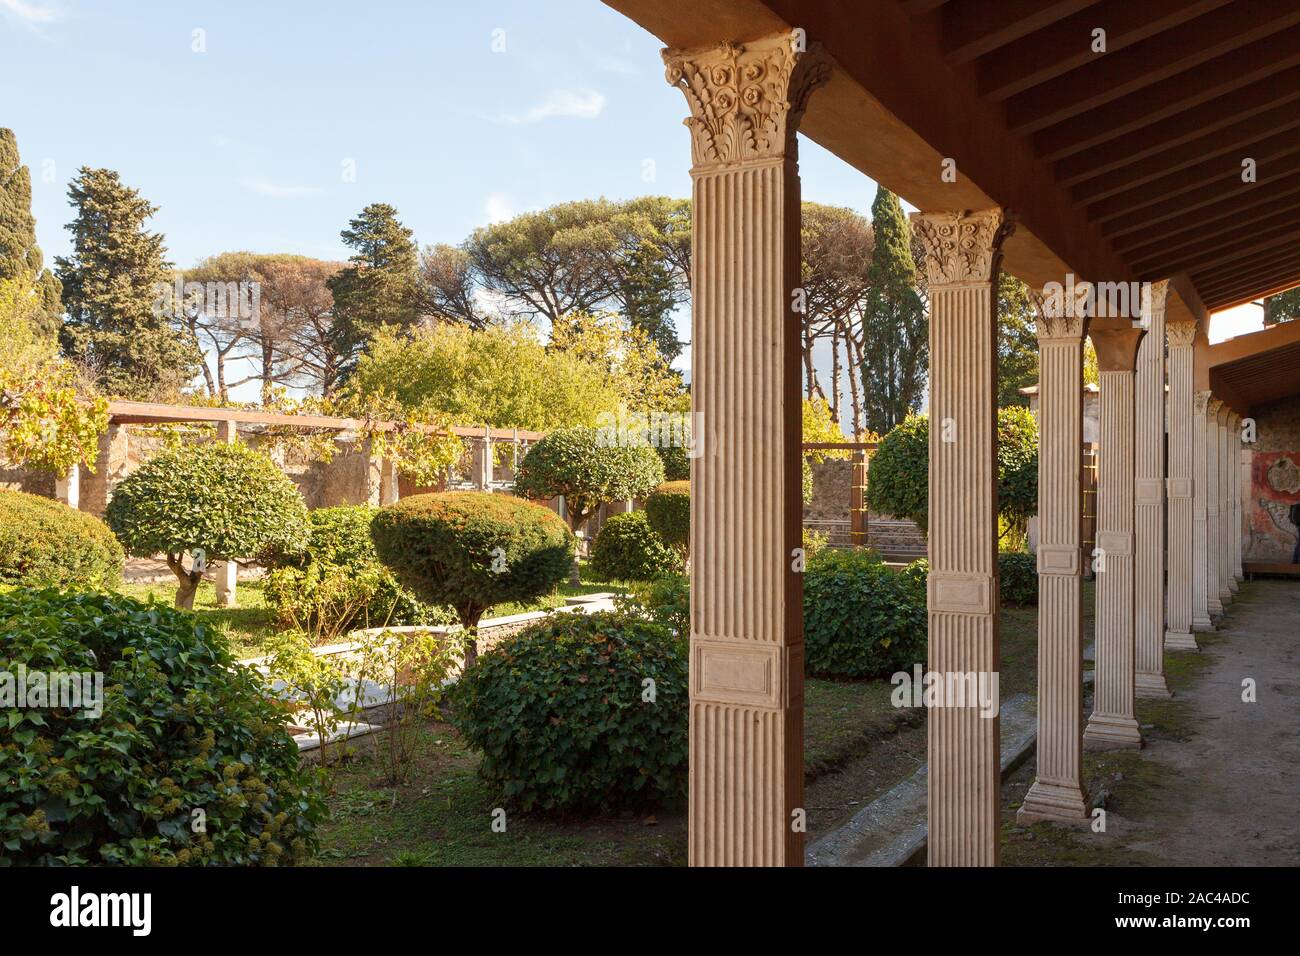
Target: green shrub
[219, 501]
[472, 549]
[669, 511]
[628, 549]
[666, 601]
[44, 543]
[1017, 469]
[338, 583]
[860, 618]
[561, 714]
[1018, 578]
[183, 728]
[918, 573]
[676, 461]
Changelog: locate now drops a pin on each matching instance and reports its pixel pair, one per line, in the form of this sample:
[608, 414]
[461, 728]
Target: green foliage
[226, 501]
[899, 474]
[676, 462]
[1283, 307]
[1018, 578]
[44, 543]
[588, 469]
[860, 618]
[566, 721]
[665, 600]
[628, 549]
[338, 583]
[21, 261]
[898, 480]
[1017, 341]
[668, 509]
[471, 549]
[114, 290]
[183, 728]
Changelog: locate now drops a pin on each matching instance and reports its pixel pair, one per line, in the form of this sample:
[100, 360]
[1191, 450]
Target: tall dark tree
[380, 286]
[1282, 307]
[1017, 341]
[20, 256]
[120, 323]
[896, 351]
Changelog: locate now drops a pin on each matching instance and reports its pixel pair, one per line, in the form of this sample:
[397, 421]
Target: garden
[437, 735]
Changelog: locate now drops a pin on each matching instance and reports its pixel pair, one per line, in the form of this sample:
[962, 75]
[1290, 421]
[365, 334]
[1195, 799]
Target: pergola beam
[1215, 219]
[971, 28]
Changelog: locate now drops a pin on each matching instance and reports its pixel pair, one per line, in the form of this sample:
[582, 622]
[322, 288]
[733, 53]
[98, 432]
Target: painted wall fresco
[1274, 488]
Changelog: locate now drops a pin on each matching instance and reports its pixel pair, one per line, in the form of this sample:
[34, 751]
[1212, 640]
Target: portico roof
[1119, 166]
[1256, 368]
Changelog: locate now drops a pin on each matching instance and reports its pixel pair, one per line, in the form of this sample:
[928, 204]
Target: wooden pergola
[1098, 142]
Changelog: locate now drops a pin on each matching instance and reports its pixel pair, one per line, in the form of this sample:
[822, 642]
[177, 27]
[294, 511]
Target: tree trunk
[188, 582]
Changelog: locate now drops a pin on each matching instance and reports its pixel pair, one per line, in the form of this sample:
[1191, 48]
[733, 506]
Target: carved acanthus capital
[1212, 407]
[962, 247]
[1200, 403]
[1051, 327]
[1154, 297]
[746, 100]
[1180, 334]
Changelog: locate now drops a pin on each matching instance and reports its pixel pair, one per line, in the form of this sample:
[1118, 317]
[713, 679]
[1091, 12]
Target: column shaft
[746, 723]
[1113, 723]
[1149, 500]
[962, 258]
[1057, 792]
[1179, 487]
[1234, 501]
[225, 574]
[1213, 528]
[1225, 566]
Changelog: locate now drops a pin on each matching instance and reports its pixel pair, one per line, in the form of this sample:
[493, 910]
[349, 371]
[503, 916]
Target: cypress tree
[20, 257]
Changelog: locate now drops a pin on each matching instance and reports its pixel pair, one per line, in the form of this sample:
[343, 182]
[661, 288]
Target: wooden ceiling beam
[1181, 209]
[1159, 258]
[1167, 56]
[1264, 243]
[973, 28]
[1165, 239]
[1251, 295]
[1227, 279]
[1067, 44]
[1170, 97]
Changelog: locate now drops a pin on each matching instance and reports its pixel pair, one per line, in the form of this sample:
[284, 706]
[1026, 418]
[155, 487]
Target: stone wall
[1271, 483]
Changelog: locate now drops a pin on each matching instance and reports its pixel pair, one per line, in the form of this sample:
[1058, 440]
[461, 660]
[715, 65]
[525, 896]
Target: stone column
[111, 461]
[963, 254]
[1149, 499]
[68, 488]
[1178, 629]
[1113, 723]
[1225, 572]
[1212, 527]
[225, 574]
[1234, 444]
[1057, 792]
[746, 664]
[1201, 458]
[389, 486]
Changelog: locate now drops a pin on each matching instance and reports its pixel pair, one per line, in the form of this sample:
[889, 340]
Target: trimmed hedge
[183, 728]
[44, 543]
[628, 549]
[472, 549]
[566, 721]
[668, 510]
[1018, 578]
[860, 618]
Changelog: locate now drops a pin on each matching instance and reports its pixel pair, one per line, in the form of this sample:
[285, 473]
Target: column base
[1151, 685]
[1112, 733]
[1232, 586]
[1175, 641]
[1054, 802]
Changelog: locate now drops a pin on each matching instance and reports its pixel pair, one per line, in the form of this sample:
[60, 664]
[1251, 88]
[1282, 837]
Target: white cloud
[581, 104]
[498, 208]
[264, 187]
[31, 13]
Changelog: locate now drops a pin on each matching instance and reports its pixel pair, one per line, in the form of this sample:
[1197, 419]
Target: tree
[121, 320]
[589, 471]
[1017, 341]
[471, 550]
[448, 287]
[20, 257]
[380, 285]
[623, 355]
[216, 502]
[668, 509]
[896, 354]
[652, 266]
[1282, 307]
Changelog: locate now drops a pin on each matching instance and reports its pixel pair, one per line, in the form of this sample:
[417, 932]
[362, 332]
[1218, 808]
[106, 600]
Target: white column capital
[962, 248]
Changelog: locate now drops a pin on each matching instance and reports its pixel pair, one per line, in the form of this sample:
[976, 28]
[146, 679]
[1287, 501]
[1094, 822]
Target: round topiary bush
[338, 582]
[216, 502]
[472, 549]
[566, 720]
[589, 470]
[628, 549]
[676, 460]
[44, 543]
[181, 728]
[860, 619]
[1018, 578]
[669, 511]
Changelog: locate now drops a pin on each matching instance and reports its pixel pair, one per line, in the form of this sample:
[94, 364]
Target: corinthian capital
[1052, 327]
[1180, 334]
[962, 247]
[746, 100]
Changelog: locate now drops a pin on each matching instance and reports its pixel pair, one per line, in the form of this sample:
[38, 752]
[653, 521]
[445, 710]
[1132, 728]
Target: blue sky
[458, 114]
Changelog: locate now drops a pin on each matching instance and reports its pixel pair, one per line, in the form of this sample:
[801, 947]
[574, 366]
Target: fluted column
[1201, 620]
[963, 253]
[1149, 499]
[1212, 526]
[1113, 723]
[225, 574]
[746, 665]
[1225, 567]
[1234, 501]
[1179, 487]
[1057, 792]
